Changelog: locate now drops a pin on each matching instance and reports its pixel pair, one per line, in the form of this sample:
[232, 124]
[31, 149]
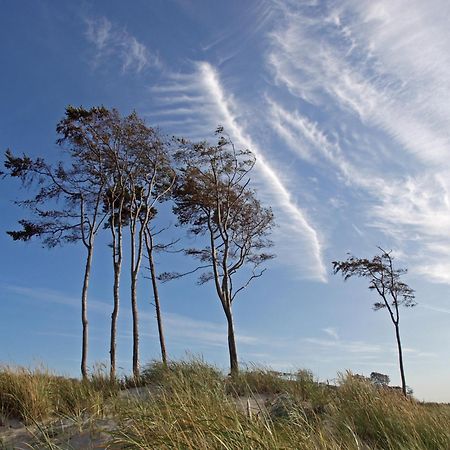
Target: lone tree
[386, 281]
[213, 199]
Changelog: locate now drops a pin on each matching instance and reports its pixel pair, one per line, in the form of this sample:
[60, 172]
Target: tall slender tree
[149, 180]
[386, 281]
[118, 169]
[153, 248]
[214, 200]
[80, 188]
[115, 205]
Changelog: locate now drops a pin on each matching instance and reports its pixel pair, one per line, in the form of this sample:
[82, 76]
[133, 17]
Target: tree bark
[234, 365]
[134, 270]
[162, 342]
[135, 314]
[117, 264]
[84, 318]
[400, 358]
[114, 316]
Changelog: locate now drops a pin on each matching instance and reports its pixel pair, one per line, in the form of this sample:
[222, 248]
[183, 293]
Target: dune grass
[196, 409]
[34, 395]
[192, 405]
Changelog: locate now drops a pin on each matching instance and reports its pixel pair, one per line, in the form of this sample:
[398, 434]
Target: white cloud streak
[293, 221]
[201, 97]
[114, 43]
[345, 346]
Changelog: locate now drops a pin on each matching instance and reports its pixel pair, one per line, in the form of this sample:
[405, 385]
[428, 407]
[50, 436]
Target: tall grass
[195, 410]
[385, 419]
[191, 405]
[33, 395]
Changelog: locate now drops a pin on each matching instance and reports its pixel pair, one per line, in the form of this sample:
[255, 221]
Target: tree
[80, 188]
[386, 281]
[114, 201]
[93, 135]
[148, 181]
[115, 204]
[379, 379]
[213, 199]
[138, 176]
[151, 247]
[118, 170]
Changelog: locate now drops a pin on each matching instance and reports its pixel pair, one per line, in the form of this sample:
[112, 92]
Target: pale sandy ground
[63, 433]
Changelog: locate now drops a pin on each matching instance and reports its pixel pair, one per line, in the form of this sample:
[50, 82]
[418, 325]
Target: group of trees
[114, 173]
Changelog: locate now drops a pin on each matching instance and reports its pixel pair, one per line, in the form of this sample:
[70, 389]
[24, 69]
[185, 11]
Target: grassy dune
[192, 405]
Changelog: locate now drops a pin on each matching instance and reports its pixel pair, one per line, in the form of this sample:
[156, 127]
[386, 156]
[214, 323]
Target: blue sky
[344, 103]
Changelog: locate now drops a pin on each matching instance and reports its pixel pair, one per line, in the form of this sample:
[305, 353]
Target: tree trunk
[84, 318]
[135, 314]
[234, 366]
[400, 358]
[114, 316]
[134, 307]
[162, 342]
[117, 264]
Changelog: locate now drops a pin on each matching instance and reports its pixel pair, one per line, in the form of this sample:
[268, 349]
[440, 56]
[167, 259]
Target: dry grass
[191, 405]
[36, 395]
[196, 411]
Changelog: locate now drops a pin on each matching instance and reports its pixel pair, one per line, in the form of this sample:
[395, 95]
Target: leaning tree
[213, 199]
[386, 281]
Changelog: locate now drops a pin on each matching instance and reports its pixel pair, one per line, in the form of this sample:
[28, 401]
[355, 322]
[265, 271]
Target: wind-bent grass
[191, 405]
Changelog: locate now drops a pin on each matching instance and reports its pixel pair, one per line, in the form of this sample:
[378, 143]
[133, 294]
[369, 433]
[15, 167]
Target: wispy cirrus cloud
[54, 296]
[344, 54]
[345, 346]
[196, 333]
[434, 308]
[293, 219]
[379, 67]
[179, 327]
[202, 97]
[331, 331]
[114, 43]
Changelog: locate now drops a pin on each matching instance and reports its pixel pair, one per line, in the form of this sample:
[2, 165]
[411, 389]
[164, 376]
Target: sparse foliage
[386, 281]
[118, 169]
[67, 205]
[213, 199]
